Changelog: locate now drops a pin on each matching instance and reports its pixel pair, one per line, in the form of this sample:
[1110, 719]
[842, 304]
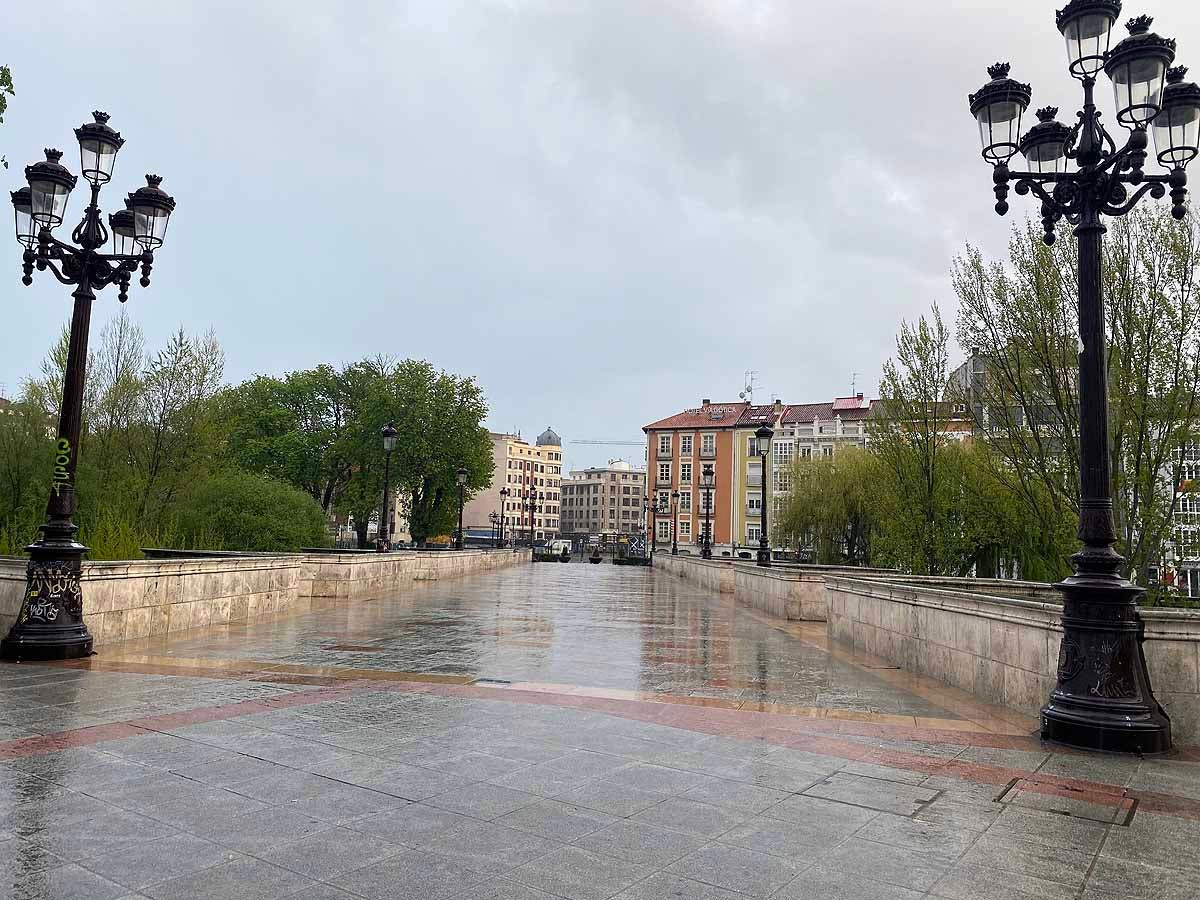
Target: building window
[685, 501]
[664, 445]
[752, 447]
[806, 452]
[664, 530]
[664, 473]
[827, 451]
[708, 444]
[664, 500]
[754, 503]
[685, 473]
[685, 445]
[753, 532]
[685, 528]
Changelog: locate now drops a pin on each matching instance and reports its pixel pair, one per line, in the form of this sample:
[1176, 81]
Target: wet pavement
[555, 731]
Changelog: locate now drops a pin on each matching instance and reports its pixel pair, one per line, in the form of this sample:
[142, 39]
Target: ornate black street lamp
[461, 477]
[388, 433]
[706, 479]
[50, 622]
[764, 434]
[504, 492]
[674, 523]
[494, 518]
[1103, 699]
[648, 521]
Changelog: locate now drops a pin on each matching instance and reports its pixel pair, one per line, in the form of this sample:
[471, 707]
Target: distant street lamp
[1103, 698]
[648, 520]
[388, 433]
[674, 523]
[494, 517]
[706, 479]
[504, 492]
[461, 475]
[50, 622]
[763, 434]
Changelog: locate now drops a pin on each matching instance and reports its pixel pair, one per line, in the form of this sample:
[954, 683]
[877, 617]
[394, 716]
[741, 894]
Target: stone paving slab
[577, 784]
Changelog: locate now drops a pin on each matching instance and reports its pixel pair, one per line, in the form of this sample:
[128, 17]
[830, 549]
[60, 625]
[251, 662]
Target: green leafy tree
[1020, 321]
[909, 436]
[438, 419]
[832, 507]
[6, 91]
[291, 428]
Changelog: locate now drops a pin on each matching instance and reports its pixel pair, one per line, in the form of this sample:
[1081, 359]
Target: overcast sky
[603, 210]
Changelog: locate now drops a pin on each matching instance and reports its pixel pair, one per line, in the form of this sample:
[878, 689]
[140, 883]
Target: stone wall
[133, 599]
[1002, 649]
[712, 574]
[359, 576]
[787, 590]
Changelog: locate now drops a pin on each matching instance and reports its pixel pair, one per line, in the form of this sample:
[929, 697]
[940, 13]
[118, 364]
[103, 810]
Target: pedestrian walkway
[551, 732]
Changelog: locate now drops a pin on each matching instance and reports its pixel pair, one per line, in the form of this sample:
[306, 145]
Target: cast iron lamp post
[50, 622]
[647, 519]
[461, 477]
[504, 492]
[706, 479]
[675, 523]
[763, 434]
[388, 433]
[1103, 699]
[495, 520]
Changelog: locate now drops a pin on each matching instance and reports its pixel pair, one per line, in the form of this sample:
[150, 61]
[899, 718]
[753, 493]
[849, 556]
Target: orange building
[678, 447]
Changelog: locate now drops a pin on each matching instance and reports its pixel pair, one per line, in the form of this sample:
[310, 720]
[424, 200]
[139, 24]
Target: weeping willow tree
[1019, 321]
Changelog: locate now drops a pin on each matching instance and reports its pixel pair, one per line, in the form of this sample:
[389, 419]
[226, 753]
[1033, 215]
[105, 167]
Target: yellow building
[520, 467]
[801, 431]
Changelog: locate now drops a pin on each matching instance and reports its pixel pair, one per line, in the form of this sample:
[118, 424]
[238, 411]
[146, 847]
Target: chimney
[705, 402]
[859, 398]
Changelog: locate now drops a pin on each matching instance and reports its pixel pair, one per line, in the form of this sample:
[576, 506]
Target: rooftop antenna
[747, 393]
[854, 376]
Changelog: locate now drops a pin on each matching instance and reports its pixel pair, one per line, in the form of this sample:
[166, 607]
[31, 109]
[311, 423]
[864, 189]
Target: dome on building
[549, 438]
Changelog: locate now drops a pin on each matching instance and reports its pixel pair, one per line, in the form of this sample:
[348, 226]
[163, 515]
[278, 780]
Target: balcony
[708, 452]
[753, 511]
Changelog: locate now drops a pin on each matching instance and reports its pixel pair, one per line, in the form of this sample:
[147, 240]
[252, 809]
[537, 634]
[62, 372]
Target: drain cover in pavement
[1024, 793]
[879, 794]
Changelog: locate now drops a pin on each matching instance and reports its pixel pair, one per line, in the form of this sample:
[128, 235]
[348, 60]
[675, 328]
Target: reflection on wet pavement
[554, 733]
[599, 626]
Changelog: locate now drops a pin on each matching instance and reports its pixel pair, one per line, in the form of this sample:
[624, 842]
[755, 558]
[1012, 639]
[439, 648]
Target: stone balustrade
[993, 638]
[134, 599]
[1002, 647]
[787, 590]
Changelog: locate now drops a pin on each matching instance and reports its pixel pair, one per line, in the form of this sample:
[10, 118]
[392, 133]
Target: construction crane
[641, 443]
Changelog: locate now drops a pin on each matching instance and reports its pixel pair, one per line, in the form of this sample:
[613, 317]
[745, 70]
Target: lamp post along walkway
[50, 621]
[707, 481]
[388, 433]
[1103, 698]
[461, 477]
[763, 435]
[675, 523]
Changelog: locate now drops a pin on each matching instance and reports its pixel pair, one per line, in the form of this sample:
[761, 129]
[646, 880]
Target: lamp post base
[1103, 700]
[50, 622]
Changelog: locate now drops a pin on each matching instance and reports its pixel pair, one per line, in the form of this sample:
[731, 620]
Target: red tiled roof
[806, 412]
[710, 415]
[743, 415]
[756, 415]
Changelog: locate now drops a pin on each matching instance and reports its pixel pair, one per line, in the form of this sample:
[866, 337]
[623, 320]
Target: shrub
[236, 510]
